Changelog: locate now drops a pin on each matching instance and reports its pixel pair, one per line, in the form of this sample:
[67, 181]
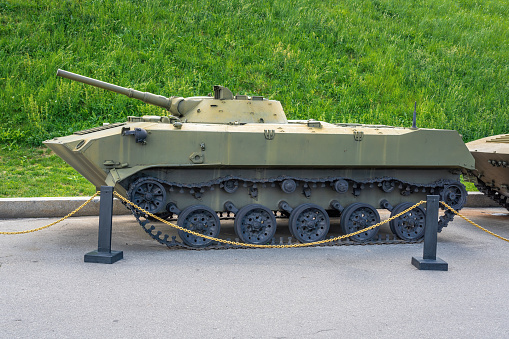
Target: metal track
[406, 188]
[164, 239]
[494, 195]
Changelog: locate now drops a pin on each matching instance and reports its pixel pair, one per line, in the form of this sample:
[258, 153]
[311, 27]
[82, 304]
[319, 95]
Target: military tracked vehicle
[491, 174]
[240, 155]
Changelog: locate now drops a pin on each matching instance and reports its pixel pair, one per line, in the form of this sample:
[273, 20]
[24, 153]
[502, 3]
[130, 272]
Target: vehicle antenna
[414, 124]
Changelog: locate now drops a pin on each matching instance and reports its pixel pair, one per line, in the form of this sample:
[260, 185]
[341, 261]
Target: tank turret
[222, 108]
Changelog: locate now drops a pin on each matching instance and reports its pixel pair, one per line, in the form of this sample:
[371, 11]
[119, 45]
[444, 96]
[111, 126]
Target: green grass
[38, 172]
[338, 61]
[469, 186]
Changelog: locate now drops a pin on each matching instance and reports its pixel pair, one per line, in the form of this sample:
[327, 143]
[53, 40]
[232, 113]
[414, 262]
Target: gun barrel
[149, 98]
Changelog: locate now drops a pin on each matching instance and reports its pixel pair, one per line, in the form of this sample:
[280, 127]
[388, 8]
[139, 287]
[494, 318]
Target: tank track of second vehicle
[494, 195]
[171, 241]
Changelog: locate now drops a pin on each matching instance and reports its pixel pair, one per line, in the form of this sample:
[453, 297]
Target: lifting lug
[140, 135]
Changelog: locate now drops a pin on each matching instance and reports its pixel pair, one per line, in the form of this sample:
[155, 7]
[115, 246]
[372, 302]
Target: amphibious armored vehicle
[491, 174]
[239, 154]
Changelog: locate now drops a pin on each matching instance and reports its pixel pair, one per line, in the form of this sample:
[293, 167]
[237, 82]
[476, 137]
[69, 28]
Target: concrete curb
[478, 199]
[58, 207]
[53, 207]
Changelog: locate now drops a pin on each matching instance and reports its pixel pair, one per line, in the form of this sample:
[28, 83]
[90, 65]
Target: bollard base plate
[104, 257]
[430, 264]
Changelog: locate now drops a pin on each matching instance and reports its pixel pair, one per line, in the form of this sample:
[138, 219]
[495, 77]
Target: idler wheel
[149, 195]
[255, 224]
[309, 223]
[358, 216]
[454, 195]
[200, 219]
[411, 225]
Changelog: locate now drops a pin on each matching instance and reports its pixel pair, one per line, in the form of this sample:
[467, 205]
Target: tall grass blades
[339, 61]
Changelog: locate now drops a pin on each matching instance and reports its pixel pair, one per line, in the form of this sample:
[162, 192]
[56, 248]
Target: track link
[494, 195]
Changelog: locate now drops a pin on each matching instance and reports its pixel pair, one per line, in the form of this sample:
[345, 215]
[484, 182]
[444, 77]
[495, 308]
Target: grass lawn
[37, 172]
[336, 61]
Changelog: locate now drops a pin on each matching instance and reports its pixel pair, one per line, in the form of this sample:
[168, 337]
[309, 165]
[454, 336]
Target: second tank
[491, 174]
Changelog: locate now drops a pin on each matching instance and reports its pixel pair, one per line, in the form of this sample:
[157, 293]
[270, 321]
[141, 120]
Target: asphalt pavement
[48, 291]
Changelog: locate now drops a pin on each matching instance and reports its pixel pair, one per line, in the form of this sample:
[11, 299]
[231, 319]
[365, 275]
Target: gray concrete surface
[53, 207]
[58, 207]
[47, 291]
[477, 199]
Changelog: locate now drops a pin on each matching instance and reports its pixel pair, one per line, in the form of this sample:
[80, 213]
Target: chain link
[473, 223]
[59, 220]
[253, 245]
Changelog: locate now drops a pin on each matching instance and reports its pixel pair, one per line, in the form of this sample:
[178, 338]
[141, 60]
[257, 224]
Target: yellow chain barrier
[254, 245]
[471, 222]
[59, 220]
[265, 246]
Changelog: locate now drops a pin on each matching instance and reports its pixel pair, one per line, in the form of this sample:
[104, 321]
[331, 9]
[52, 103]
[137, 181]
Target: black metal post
[429, 260]
[104, 254]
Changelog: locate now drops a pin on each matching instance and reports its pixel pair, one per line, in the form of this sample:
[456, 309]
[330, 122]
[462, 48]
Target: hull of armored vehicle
[491, 174]
[325, 162]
